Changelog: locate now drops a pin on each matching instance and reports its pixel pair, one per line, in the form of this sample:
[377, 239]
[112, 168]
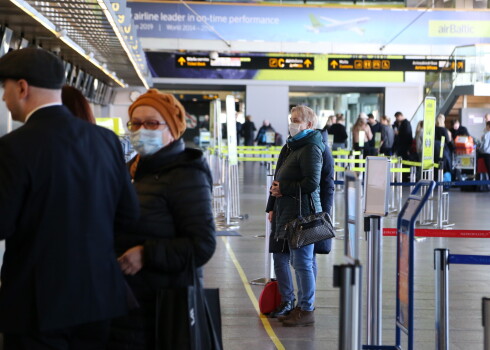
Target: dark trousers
[486, 158]
[89, 336]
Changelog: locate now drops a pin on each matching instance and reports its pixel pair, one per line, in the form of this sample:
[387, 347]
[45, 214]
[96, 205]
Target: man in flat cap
[64, 192]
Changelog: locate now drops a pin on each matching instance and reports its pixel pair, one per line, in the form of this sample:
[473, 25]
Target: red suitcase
[270, 298]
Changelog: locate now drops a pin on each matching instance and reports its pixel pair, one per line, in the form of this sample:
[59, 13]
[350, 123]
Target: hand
[275, 190]
[270, 216]
[132, 260]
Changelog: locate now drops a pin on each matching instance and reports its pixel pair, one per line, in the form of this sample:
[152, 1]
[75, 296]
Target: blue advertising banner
[253, 22]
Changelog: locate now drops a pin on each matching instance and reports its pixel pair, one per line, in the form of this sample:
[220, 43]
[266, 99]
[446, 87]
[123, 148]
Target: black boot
[283, 309]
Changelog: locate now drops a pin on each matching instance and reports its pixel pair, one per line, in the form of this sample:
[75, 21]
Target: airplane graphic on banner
[318, 26]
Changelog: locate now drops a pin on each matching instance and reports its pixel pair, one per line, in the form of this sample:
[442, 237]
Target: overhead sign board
[245, 62]
[394, 64]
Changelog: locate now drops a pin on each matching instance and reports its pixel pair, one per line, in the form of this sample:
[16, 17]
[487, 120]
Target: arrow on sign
[334, 64]
[460, 65]
[181, 60]
[307, 63]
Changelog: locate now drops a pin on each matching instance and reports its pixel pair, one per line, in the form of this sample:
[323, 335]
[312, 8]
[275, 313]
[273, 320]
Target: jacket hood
[314, 137]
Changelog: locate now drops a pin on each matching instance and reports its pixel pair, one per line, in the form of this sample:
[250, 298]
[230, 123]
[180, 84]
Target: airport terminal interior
[230, 60]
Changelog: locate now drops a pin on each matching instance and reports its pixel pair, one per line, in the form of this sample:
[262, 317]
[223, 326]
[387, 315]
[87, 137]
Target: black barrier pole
[441, 267]
[486, 323]
[349, 278]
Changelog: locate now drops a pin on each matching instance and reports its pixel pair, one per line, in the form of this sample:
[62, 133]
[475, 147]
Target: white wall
[269, 102]
[405, 99]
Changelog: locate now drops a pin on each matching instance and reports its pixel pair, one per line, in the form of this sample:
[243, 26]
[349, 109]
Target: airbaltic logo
[459, 29]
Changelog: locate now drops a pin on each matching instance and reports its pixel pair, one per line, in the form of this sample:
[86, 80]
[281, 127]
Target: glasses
[149, 125]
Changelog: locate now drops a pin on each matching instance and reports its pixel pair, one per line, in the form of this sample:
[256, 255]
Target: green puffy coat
[299, 164]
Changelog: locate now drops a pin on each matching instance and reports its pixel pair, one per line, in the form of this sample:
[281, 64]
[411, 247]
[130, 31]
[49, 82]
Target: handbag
[313, 228]
[188, 318]
[270, 298]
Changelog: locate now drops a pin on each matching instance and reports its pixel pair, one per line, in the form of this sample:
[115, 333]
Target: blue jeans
[303, 260]
[283, 276]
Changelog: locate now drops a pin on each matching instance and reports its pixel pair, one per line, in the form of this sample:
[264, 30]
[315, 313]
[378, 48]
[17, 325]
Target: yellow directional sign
[394, 64]
[308, 63]
[181, 60]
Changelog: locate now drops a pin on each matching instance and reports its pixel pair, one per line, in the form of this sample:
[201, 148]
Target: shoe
[285, 317]
[300, 319]
[283, 309]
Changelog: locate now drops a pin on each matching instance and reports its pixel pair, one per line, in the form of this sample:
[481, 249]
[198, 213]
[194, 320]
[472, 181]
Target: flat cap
[38, 67]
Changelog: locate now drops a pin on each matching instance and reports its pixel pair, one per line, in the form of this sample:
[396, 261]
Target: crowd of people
[374, 137]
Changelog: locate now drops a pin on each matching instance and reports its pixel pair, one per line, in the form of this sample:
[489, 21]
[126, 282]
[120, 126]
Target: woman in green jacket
[299, 166]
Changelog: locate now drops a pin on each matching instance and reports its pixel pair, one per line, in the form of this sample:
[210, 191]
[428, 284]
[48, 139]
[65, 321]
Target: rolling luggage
[270, 298]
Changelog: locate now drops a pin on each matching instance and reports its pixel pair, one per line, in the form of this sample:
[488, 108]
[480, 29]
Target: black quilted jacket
[174, 187]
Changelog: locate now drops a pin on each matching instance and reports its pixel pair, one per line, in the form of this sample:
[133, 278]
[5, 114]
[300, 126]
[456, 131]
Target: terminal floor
[244, 329]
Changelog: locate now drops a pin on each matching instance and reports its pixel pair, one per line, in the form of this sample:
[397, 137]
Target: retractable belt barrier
[458, 233]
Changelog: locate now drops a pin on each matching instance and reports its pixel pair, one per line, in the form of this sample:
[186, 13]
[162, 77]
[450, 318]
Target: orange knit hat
[167, 105]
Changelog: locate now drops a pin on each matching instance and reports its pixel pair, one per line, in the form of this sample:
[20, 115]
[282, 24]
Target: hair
[440, 120]
[248, 117]
[397, 114]
[454, 121]
[420, 126]
[371, 116]
[385, 118]
[340, 117]
[78, 105]
[488, 125]
[306, 114]
[360, 122]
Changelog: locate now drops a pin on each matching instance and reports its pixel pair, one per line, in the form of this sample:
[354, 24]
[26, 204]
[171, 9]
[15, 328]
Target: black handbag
[188, 318]
[313, 228]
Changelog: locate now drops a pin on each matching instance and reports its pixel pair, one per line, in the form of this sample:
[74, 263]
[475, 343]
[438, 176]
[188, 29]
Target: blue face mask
[146, 142]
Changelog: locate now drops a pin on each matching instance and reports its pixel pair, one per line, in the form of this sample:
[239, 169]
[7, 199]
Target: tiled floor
[243, 329]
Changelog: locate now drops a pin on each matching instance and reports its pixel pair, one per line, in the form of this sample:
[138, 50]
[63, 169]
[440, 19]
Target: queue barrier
[442, 260]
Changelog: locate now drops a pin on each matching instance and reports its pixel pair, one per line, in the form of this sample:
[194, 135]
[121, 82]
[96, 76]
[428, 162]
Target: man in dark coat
[403, 136]
[248, 131]
[64, 191]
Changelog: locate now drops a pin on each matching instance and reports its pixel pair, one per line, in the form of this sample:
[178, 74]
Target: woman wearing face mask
[299, 165]
[174, 188]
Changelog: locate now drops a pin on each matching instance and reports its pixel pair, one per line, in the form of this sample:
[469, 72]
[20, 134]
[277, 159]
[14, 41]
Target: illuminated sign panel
[244, 62]
[402, 65]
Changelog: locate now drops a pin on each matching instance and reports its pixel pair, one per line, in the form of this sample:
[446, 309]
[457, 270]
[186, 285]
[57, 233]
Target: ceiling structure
[86, 33]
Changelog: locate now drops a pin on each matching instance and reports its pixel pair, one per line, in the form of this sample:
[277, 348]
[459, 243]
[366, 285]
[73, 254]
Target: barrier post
[399, 190]
[349, 278]
[427, 214]
[486, 323]
[376, 197]
[268, 259]
[441, 267]
[413, 176]
[374, 282]
[443, 203]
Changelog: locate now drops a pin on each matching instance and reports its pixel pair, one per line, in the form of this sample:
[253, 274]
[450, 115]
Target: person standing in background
[339, 133]
[64, 193]
[248, 131]
[361, 125]
[74, 100]
[457, 129]
[261, 138]
[387, 137]
[485, 147]
[440, 131]
[375, 128]
[403, 136]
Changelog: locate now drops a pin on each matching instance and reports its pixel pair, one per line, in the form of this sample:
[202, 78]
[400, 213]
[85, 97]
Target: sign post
[376, 199]
[405, 259]
[349, 276]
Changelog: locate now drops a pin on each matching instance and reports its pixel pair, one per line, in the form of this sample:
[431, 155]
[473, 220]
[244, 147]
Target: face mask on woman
[146, 142]
[294, 129]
